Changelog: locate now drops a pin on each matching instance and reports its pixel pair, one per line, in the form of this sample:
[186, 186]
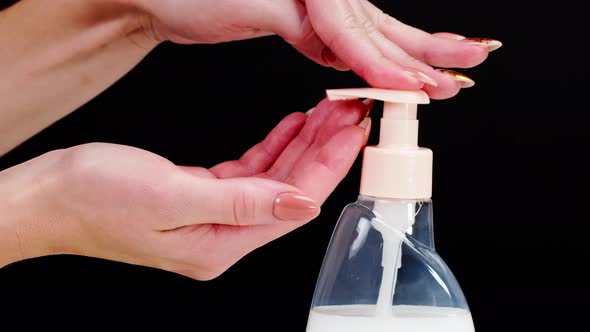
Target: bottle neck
[412, 217]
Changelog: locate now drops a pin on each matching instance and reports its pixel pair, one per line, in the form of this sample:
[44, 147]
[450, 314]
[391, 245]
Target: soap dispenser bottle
[381, 272]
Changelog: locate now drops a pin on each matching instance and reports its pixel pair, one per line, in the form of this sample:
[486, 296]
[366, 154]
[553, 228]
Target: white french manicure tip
[365, 123]
[308, 113]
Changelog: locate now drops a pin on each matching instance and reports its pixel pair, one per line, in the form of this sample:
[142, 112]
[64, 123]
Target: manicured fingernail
[369, 103]
[454, 36]
[491, 44]
[308, 113]
[366, 125]
[420, 76]
[465, 81]
[295, 207]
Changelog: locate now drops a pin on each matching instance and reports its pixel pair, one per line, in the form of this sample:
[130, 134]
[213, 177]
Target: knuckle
[74, 163]
[243, 208]
[349, 21]
[350, 26]
[388, 20]
[373, 73]
[368, 25]
[416, 62]
[427, 56]
[306, 34]
[355, 22]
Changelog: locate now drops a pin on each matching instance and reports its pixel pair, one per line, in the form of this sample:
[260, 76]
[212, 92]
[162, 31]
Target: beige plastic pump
[397, 167]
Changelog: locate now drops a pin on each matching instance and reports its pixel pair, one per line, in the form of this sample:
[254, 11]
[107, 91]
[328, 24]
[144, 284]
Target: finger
[346, 33]
[433, 50]
[460, 80]
[293, 25]
[439, 85]
[328, 118]
[319, 175]
[317, 178]
[235, 202]
[288, 19]
[336, 122]
[487, 43]
[281, 168]
[261, 156]
[448, 35]
[333, 60]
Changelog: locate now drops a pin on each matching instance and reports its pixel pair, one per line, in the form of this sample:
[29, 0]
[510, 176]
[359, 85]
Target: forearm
[58, 54]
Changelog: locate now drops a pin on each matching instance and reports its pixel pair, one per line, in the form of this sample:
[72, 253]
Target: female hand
[125, 204]
[339, 33]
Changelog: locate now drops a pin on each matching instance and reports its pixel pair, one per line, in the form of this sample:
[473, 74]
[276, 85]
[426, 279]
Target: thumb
[243, 202]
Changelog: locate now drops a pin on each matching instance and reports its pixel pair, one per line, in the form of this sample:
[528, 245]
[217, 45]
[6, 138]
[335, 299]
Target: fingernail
[366, 125]
[420, 76]
[308, 113]
[491, 44]
[369, 103]
[454, 36]
[465, 81]
[295, 207]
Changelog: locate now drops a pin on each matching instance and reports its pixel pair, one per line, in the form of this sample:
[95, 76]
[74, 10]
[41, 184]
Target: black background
[510, 176]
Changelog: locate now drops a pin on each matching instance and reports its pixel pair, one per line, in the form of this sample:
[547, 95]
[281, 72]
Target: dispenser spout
[397, 167]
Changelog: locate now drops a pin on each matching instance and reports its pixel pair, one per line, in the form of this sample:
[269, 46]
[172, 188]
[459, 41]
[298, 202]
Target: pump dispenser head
[397, 167]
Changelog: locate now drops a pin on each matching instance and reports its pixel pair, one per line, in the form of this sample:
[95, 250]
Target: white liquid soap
[359, 318]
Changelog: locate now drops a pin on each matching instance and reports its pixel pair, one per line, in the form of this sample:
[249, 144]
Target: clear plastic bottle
[381, 271]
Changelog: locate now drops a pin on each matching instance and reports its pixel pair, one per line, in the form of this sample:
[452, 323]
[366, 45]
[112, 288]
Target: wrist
[134, 22]
[118, 19]
[88, 25]
[30, 224]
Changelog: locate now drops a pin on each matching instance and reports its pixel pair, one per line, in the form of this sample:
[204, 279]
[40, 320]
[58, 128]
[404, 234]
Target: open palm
[127, 204]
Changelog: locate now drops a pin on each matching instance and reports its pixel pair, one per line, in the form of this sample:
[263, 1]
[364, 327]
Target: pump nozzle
[397, 167]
